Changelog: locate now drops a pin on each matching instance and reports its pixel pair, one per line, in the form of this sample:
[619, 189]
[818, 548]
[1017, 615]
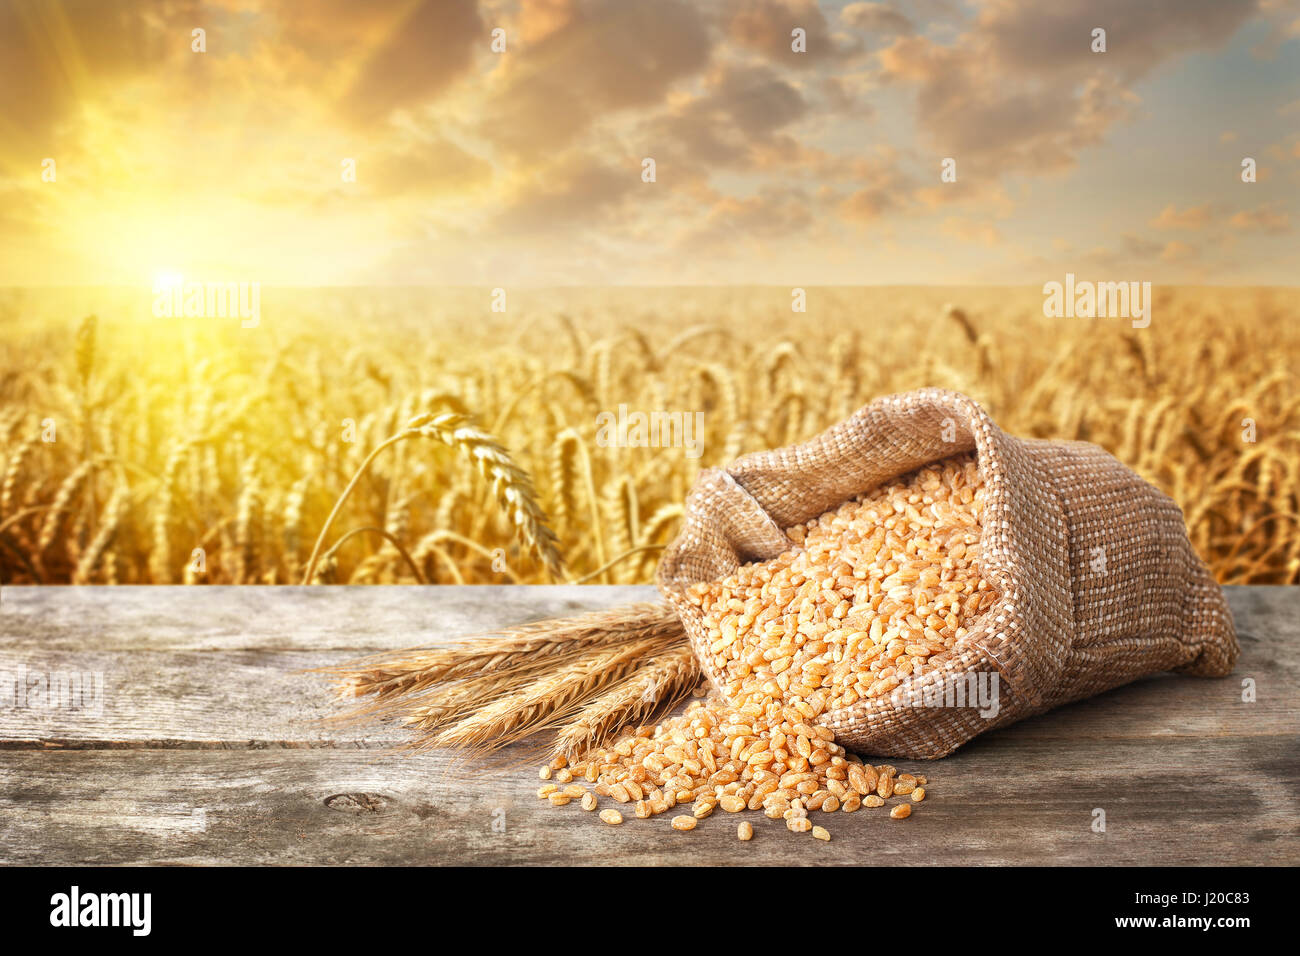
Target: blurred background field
[173, 435]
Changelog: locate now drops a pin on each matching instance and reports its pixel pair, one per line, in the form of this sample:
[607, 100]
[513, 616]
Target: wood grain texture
[211, 748]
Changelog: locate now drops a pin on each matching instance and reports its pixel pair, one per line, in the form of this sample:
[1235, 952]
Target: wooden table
[210, 748]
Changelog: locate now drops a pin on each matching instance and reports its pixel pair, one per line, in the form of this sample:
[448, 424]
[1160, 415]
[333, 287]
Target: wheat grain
[875, 591]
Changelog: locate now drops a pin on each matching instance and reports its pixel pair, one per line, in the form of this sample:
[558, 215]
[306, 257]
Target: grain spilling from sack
[872, 593]
[878, 589]
[716, 757]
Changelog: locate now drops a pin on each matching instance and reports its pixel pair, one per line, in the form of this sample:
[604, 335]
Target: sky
[126, 154]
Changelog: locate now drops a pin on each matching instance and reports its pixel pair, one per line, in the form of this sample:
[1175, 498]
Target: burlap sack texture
[1066, 626]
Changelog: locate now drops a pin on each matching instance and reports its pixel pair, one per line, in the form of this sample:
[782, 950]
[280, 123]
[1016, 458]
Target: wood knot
[358, 803]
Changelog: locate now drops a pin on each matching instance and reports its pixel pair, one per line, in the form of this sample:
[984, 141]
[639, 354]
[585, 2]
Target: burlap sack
[1098, 583]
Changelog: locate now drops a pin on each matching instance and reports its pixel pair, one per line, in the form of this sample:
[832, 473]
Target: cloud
[739, 113]
[1269, 218]
[971, 230]
[980, 191]
[773, 213]
[1283, 17]
[431, 166]
[999, 123]
[844, 98]
[572, 191]
[1031, 38]
[538, 19]
[1193, 217]
[1139, 247]
[55, 55]
[765, 27]
[602, 57]
[425, 49]
[878, 18]
[884, 192]
[1022, 89]
[1177, 251]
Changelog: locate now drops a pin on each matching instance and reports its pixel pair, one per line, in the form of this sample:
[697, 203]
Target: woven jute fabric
[1097, 582]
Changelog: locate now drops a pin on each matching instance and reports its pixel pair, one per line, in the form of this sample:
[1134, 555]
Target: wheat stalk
[547, 702]
[13, 473]
[248, 523]
[593, 499]
[114, 511]
[621, 517]
[493, 691]
[389, 537]
[564, 476]
[62, 505]
[448, 705]
[292, 524]
[536, 645]
[512, 486]
[656, 685]
[84, 352]
[161, 559]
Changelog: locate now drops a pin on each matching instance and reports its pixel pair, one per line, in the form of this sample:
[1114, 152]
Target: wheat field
[141, 450]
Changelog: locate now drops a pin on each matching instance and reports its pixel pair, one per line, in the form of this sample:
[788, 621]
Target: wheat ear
[9, 501]
[545, 703]
[512, 485]
[656, 685]
[114, 512]
[62, 505]
[453, 703]
[530, 646]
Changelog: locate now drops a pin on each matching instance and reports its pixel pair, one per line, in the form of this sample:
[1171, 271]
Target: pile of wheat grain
[758, 756]
[586, 680]
[872, 593]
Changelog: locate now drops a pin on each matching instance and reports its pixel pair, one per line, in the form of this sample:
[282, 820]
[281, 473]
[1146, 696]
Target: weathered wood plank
[224, 666]
[178, 670]
[1181, 801]
[252, 700]
[349, 620]
[210, 750]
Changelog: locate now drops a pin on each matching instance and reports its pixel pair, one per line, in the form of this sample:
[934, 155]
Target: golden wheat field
[143, 450]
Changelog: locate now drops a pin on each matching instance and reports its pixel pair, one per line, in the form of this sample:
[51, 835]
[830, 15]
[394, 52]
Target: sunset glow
[126, 151]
